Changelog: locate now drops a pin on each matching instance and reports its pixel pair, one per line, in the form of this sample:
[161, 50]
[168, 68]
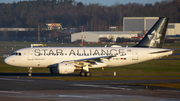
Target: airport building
[51, 26]
[142, 25]
[133, 27]
[173, 29]
[138, 24]
[94, 36]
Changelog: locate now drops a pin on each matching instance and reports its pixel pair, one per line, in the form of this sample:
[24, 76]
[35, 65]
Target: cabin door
[134, 54]
[30, 55]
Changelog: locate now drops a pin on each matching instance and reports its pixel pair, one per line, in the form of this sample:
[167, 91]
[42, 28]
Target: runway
[23, 88]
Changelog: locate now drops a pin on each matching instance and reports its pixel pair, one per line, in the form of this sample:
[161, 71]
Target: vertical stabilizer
[155, 36]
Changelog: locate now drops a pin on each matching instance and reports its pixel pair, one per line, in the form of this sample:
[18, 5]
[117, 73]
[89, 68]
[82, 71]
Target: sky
[102, 2]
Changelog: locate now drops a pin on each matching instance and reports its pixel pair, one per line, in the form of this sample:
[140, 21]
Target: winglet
[155, 37]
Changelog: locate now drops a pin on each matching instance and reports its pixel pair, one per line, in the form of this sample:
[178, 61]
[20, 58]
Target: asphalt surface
[17, 86]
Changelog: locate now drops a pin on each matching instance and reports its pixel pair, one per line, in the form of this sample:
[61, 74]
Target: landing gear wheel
[82, 74]
[29, 74]
[30, 71]
[88, 74]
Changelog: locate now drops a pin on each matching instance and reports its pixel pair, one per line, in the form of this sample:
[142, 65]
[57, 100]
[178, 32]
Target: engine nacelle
[62, 68]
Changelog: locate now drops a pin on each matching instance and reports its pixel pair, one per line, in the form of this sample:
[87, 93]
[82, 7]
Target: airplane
[65, 60]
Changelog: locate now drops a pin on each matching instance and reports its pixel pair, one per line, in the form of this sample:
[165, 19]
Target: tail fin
[155, 37]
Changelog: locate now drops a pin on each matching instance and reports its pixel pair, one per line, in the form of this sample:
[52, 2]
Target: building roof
[107, 32]
[140, 17]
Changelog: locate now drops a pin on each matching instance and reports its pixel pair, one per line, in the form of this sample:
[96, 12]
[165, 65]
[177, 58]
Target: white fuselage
[46, 56]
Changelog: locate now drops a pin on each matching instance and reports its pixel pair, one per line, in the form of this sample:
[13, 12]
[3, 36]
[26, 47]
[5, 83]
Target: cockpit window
[13, 54]
[18, 54]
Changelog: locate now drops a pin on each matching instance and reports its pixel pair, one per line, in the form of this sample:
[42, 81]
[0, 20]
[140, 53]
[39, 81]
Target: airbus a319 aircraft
[65, 60]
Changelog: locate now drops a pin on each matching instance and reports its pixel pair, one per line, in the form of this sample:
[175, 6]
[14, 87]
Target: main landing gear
[30, 71]
[85, 72]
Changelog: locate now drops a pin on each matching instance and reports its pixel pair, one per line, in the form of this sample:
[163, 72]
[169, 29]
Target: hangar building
[173, 29]
[93, 36]
[138, 24]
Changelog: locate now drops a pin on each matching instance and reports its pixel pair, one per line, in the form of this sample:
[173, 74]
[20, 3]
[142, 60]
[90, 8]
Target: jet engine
[62, 68]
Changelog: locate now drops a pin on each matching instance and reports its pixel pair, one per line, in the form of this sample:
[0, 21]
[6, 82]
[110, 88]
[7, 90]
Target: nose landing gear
[30, 71]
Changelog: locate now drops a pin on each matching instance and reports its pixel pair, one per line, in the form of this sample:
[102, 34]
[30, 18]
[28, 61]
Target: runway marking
[15, 79]
[107, 97]
[75, 96]
[10, 92]
[83, 96]
[101, 86]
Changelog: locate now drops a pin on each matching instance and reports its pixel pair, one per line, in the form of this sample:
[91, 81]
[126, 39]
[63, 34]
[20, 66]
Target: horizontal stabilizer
[161, 52]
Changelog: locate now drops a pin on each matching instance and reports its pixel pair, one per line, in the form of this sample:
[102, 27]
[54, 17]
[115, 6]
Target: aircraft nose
[7, 60]
[11, 61]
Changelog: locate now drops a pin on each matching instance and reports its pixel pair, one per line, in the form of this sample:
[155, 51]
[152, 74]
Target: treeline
[74, 14]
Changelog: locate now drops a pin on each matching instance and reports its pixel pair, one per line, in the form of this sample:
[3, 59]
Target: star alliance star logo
[154, 37]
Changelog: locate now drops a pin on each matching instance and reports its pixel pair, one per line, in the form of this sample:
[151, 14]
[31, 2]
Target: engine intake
[62, 68]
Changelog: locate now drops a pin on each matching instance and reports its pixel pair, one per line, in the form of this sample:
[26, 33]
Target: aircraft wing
[95, 58]
[90, 61]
